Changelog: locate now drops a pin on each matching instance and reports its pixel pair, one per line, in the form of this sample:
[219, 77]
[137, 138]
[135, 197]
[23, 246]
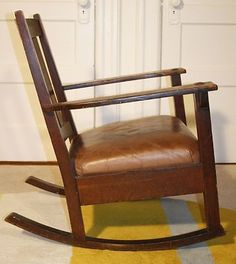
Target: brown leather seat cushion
[151, 142]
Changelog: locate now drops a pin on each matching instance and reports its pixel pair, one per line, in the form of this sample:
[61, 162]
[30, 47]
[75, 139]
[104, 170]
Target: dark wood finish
[203, 121]
[50, 187]
[58, 143]
[138, 76]
[100, 243]
[132, 97]
[178, 99]
[24, 163]
[196, 176]
[156, 183]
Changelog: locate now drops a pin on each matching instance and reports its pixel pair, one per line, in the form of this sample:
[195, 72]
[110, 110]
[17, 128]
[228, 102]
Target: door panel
[23, 133]
[128, 40]
[202, 39]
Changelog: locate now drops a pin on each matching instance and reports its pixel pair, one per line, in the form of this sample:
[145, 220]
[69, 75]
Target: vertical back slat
[50, 75]
[34, 28]
[54, 72]
[47, 78]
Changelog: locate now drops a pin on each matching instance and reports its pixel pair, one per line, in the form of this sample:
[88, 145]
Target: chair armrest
[125, 78]
[132, 97]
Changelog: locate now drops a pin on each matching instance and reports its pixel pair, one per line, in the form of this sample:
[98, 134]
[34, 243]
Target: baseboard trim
[27, 163]
[53, 163]
[226, 163]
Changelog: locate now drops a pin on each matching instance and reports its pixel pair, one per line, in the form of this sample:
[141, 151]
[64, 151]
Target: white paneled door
[128, 40]
[200, 35]
[90, 39]
[23, 135]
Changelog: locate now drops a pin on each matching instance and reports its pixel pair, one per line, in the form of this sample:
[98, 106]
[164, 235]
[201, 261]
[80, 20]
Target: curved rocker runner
[44, 185]
[91, 242]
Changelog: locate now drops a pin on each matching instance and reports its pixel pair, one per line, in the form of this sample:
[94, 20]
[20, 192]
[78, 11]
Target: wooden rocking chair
[133, 160]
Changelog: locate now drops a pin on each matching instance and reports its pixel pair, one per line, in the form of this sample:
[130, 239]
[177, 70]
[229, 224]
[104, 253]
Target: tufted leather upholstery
[151, 142]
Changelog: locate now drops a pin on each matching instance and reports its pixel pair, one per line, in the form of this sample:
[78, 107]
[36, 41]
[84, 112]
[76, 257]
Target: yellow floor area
[133, 220]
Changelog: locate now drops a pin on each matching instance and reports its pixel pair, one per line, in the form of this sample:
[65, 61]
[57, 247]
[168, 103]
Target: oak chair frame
[196, 178]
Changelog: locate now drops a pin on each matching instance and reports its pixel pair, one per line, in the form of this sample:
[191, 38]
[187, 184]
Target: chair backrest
[44, 71]
[48, 85]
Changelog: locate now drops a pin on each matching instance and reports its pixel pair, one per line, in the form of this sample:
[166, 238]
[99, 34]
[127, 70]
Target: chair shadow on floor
[138, 216]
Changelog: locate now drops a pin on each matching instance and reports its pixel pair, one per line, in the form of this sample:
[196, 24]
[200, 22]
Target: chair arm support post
[203, 123]
[125, 78]
[206, 150]
[178, 99]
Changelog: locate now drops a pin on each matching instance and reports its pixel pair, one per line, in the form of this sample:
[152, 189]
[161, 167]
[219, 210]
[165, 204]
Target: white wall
[202, 39]
[125, 39]
[23, 136]
[128, 40]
